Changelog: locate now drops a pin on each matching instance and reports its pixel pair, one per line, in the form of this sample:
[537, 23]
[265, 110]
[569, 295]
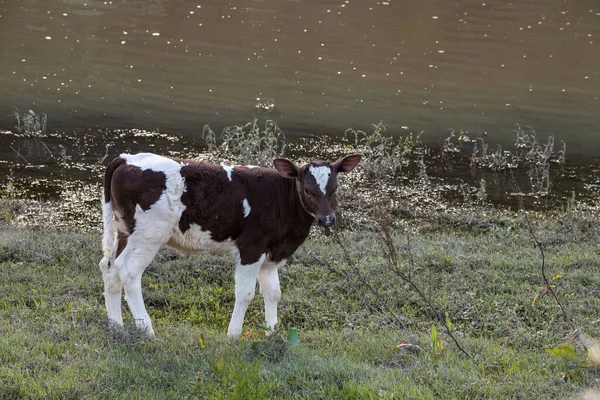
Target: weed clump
[30, 123]
[383, 154]
[275, 346]
[9, 209]
[248, 143]
[528, 154]
[10, 206]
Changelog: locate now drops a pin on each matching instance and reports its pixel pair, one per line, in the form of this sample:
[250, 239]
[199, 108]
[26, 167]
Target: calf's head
[316, 183]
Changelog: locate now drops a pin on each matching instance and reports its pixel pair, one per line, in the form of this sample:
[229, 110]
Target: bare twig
[346, 275]
[49, 152]
[390, 251]
[428, 300]
[540, 246]
[392, 258]
[389, 248]
[364, 281]
[101, 160]
[19, 154]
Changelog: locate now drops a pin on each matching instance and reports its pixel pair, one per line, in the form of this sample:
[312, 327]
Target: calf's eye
[307, 192]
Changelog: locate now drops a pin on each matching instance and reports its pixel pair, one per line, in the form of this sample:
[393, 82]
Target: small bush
[383, 154]
[248, 144]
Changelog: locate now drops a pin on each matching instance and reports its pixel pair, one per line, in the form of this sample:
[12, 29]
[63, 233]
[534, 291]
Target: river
[314, 66]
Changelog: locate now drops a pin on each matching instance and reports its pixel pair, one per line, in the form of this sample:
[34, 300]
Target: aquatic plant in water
[30, 122]
[383, 154]
[528, 153]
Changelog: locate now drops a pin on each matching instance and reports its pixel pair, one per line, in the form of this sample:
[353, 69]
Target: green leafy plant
[567, 359]
[437, 344]
[275, 347]
[449, 146]
[8, 190]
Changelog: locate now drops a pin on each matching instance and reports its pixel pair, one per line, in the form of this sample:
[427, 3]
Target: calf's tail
[107, 214]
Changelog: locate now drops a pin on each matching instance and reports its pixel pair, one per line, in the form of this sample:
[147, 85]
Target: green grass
[55, 342]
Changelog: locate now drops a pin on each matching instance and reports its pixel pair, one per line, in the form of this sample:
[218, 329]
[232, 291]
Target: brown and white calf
[259, 215]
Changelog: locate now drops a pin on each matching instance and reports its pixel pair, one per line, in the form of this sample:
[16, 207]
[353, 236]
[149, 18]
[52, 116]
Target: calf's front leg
[268, 277]
[245, 288]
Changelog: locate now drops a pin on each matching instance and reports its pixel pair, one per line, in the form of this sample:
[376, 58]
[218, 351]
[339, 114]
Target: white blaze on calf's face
[321, 175]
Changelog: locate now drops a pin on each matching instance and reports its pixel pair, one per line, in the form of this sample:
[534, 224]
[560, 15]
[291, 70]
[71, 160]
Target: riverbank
[479, 269]
[57, 176]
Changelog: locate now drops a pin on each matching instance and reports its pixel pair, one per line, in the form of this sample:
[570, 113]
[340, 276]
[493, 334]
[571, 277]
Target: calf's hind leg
[112, 285]
[131, 265]
[112, 294]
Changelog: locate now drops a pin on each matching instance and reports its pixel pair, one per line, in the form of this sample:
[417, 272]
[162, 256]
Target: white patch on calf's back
[228, 169]
[152, 162]
[246, 207]
[321, 175]
[172, 169]
[156, 222]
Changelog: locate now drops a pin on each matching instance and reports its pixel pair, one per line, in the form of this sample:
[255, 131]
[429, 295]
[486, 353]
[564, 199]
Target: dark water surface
[480, 66]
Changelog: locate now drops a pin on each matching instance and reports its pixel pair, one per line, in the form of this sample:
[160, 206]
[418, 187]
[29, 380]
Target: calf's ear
[346, 164]
[286, 168]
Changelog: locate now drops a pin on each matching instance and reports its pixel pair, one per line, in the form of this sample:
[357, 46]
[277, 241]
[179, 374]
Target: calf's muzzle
[327, 221]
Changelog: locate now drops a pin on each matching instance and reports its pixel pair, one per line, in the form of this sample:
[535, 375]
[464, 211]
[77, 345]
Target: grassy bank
[482, 270]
